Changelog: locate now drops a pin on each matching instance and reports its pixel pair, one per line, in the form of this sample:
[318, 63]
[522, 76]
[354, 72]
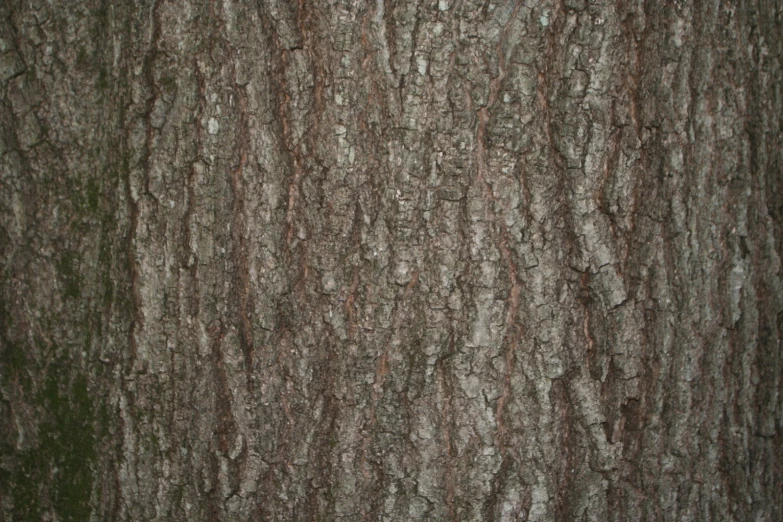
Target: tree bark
[391, 260]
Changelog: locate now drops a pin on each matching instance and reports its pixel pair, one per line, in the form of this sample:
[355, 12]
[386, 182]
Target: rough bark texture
[391, 260]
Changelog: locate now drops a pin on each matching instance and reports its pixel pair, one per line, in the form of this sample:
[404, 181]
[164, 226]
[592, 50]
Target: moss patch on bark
[57, 474]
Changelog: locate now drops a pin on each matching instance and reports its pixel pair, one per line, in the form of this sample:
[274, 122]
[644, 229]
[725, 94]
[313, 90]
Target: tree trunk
[391, 260]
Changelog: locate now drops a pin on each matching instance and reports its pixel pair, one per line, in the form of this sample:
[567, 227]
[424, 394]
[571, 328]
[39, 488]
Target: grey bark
[391, 260]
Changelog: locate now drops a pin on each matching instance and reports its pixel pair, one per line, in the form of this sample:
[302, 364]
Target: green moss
[104, 260]
[72, 446]
[14, 358]
[93, 195]
[102, 83]
[104, 420]
[24, 487]
[58, 473]
[82, 59]
[68, 268]
[86, 197]
[100, 15]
